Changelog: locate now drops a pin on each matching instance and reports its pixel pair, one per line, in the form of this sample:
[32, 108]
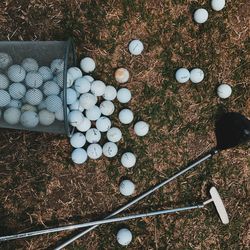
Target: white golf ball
[34, 96]
[107, 108]
[59, 79]
[17, 90]
[70, 80]
[59, 114]
[93, 113]
[29, 119]
[4, 81]
[135, 47]
[46, 73]
[93, 135]
[78, 140]
[126, 116]
[98, 88]
[87, 64]
[16, 73]
[57, 66]
[122, 75]
[200, 15]
[196, 75]
[51, 88]
[94, 151]
[141, 128]
[124, 236]
[76, 106]
[84, 125]
[12, 115]
[128, 160]
[46, 117]
[28, 107]
[71, 96]
[124, 95]
[79, 156]
[75, 118]
[75, 72]
[114, 134]
[218, 5]
[53, 103]
[15, 104]
[87, 100]
[103, 124]
[182, 75]
[89, 78]
[82, 85]
[29, 64]
[5, 60]
[4, 98]
[110, 93]
[224, 91]
[127, 188]
[109, 149]
[34, 79]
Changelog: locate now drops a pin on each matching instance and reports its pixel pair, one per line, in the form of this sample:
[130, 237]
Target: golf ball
[75, 72]
[4, 81]
[78, 140]
[34, 79]
[121, 75]
[124, 236]
[29, 64]
[57, 66]
[93, 135]
[114, 134]
[34, 96]
[200, 15]
[82, 85]
[87, 100]
[51, 88]
[28, 107]
[53, 103]
[75, 117]
[79, 156]
[128, 160]
[89, 78]
[29, 119]
[94, 151]
[103, 124]
[71, 96]
[110, 149]
[16, 73]
[98, 88]
[124, 95]
[59, 114]
[107, 108]
[127, 188]
[4, 98]
[141, 128]
[196, 75]
[87, 64]
[93, 113]
[5, 60]
[76, 106]
[218, 5]
[182, 75]
[46, 73]
[17, 90]
[135, 47]
[12, 115]
[15, 104]
[224, 91]
[126, 116]
[46, 117]
[110, 93]
[84, 125]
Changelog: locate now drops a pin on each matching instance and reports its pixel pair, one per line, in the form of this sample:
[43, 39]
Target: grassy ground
[39, 185]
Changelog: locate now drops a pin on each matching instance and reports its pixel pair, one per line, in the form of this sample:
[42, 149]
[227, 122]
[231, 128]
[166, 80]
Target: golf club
[215, 198]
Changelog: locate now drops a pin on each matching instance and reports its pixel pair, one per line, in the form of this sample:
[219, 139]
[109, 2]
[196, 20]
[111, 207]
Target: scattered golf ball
[103, 124]
[87, 100]
[4, 98]
[17, 90]
[196, 75]
[75, 117]
[124, 95]
[127, 188]
[82, 85]
[124, 236]
[110, 149]
[46, 117]
[29, 119]
[79, 156]
[78, 140]
[51, 88]
[93, 135]
[110, 93]
[53, 103]
[218, 5]
[98, 88]
[75, 72]
[224, 91]
[128, 160]
[107, 108]
[135, 47]
[46, 73]
[141, 128]
[200, 15]
[126, 116]
[29, 64]
[182, 75]
[84, 125]
[94, 151]
[16, 73]
[5, 60]
[114, 134]
[87, 65]
[71, 96]
[12, 115]
[57, 66]
[122, 75]
[4, 81]
[94, 113]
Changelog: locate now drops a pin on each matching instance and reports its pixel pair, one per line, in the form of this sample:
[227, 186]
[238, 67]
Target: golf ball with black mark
[75, 118]
[5, 60]
[4, 98]
[94, 151]
[57, 66]
[82, 85]
[53, 103]
[29, 119]
[79, 156]
[127, 187]
[110, 149]
[34, 79]
[135, 47]
[17, 90]
[78, 140]
[128, 160]
[122, 75]
[182, 75]
[93, 135]
[16, 73]
[124, 236]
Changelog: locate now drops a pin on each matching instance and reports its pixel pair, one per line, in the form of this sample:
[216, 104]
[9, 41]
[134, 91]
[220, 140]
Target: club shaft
[96, 223]
[142, 196]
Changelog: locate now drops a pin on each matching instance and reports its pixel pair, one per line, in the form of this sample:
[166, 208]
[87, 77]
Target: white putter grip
[219, 205]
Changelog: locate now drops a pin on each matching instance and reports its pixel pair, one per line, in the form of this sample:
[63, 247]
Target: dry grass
[39, 185]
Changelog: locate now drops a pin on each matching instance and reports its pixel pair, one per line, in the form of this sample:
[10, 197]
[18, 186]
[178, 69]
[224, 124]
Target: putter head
[219, 205]
[232, 129]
